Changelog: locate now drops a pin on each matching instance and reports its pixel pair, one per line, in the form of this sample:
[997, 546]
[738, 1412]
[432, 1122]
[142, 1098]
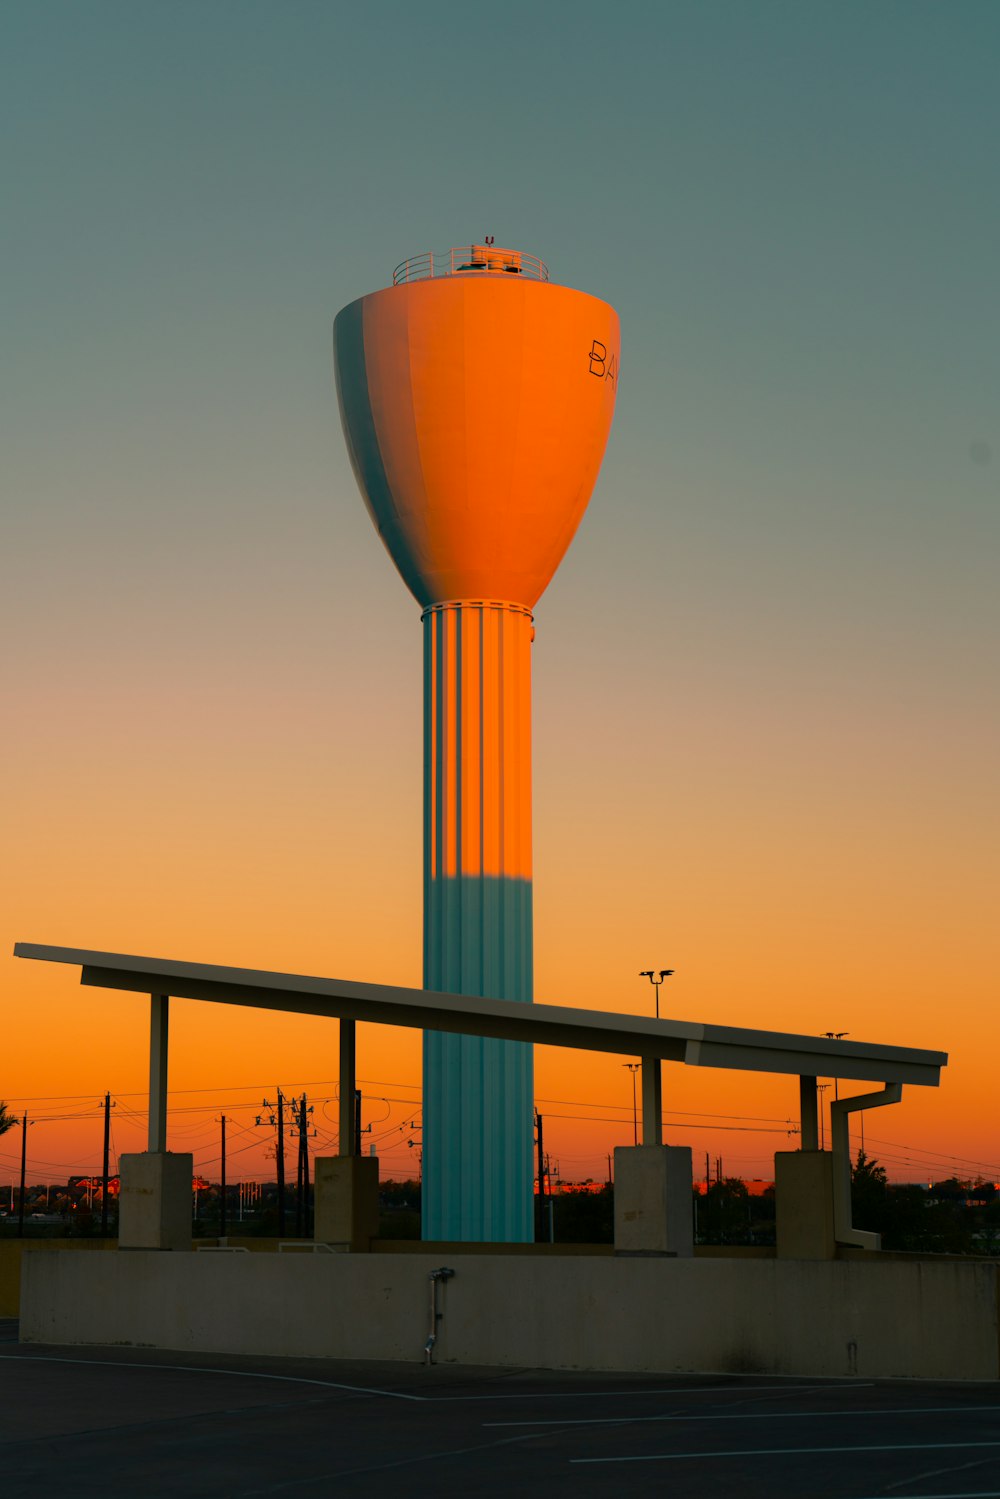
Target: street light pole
[836, 1036]
[24, 1158]
[650, 973]
[821, 1089]
[633, 1067]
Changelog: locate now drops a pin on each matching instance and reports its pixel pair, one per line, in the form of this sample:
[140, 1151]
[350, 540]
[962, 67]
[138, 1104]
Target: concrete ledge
[346, 1198]
[13, 1251]
[877, 1319]
[803, 1192]
[154, 1203]
[654, 1205]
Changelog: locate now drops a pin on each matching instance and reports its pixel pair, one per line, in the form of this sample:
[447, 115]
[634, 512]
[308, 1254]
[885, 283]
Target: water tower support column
[478, 1095]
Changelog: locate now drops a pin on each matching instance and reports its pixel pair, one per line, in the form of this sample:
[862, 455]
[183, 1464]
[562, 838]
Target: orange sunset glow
[763, 707]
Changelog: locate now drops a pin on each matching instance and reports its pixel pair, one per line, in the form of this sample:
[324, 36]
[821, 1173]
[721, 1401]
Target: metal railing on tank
[470, 260]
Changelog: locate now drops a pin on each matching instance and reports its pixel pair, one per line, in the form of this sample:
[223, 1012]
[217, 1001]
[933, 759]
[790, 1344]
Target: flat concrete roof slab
[695, 1044]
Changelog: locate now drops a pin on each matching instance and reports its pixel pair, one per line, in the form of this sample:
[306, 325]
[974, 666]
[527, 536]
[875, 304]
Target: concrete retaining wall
[873, 1318]
[12, 1252]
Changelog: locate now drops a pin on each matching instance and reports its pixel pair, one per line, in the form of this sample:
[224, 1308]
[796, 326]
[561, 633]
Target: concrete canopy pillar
[845, 1231]
[803, 1205]
[652, 1101]
[348, 1145]
[154, 1198]
[154, 1201]
[808, 1113]
[159, 1029]
[654, 1205]
[345, 1186]
[346, 1201]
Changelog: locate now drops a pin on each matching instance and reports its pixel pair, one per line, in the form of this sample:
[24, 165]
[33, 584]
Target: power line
[959, 1160]
[790, 1127]
[589, 1103]
[325, 1082]
[198, 1131]
[141, 1115]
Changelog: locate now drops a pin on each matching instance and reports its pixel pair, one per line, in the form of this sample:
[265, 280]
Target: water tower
[476, 397]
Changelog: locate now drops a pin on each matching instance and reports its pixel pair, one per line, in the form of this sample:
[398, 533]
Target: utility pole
[304, 1156]
[222, 1183]
[297, 1117]
[821, 1089]
[301, 1116]
[24, 1158]
[104, 1171]
[279, 1156]
[281, 1164]
[540, 1215]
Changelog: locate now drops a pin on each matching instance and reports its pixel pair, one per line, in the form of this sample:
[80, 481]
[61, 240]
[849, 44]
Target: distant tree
[906, 1221]
[399, 1209]
[725, 1213]
[866, 1171]
[583, 1217]
[939, 1221]
[399, 1194]
[950, 1190]
[869, 1189]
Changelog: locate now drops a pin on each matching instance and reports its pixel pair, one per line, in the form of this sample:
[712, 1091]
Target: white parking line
[673, 1457]
[636, 1394]
[788, 1387]
[930, 1410]
[107, 1363]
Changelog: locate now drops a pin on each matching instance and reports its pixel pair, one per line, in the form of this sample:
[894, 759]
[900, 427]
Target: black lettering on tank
[598, 357]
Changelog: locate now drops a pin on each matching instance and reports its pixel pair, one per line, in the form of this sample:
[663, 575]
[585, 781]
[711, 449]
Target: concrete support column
[348, 1074]
[654, 1205]
[840, 1139]
[808, 1113]
[159, 1018]
[346, 1200]
[652, 1101]
[154, 1202]
[803, 1205]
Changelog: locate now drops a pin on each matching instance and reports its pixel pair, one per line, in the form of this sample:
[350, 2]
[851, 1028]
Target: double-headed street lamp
[656, 979]
[650, 973]
[836, 1036]
[633, 1067]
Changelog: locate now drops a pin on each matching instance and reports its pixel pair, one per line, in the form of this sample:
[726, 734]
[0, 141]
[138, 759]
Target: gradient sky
[765, 676]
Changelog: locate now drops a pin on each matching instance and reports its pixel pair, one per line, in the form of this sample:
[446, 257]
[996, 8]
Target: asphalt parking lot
[143, 1422]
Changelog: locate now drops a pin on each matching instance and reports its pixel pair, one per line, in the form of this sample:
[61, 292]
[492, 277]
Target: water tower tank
[476, 397]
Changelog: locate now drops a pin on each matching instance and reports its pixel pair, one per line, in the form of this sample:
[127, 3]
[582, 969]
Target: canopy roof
[696, 1044]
